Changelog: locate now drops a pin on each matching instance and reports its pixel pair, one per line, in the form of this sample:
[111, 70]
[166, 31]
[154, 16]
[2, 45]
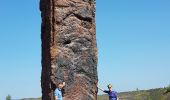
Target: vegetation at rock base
[152, 94]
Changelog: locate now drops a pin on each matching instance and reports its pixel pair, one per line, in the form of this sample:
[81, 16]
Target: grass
[152, 94]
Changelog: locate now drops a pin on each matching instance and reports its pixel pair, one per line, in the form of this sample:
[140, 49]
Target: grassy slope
[152, 94]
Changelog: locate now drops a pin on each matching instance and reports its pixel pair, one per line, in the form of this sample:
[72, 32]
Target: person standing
[58, 91]
[112, 94]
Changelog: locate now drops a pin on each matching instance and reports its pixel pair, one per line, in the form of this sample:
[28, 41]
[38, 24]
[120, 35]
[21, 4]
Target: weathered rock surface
[69, 52]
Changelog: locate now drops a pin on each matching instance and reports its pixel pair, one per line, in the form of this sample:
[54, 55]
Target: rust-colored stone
[69, 51]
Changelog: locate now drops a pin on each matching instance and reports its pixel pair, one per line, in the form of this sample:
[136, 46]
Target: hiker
[58, 91]
[112, 94]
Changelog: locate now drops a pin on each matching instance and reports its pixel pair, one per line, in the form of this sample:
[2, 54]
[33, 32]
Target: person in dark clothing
[112, 94]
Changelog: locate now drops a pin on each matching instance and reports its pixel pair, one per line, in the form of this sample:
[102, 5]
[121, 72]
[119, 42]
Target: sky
[133, 40]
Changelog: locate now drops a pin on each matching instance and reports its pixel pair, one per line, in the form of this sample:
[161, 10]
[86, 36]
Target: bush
[8, 97]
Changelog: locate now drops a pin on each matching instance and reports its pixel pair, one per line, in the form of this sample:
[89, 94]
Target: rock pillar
[69, 52]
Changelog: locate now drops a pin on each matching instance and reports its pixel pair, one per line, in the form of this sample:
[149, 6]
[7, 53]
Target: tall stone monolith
[69, 52]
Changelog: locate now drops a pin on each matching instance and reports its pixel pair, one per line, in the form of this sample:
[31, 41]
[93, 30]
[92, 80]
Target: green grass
[152, 94]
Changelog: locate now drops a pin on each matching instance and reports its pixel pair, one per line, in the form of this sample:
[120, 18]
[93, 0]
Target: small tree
[8, 97]
[137, 89]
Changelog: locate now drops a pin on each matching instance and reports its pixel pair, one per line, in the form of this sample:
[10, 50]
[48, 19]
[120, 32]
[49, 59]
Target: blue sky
[133, 39]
